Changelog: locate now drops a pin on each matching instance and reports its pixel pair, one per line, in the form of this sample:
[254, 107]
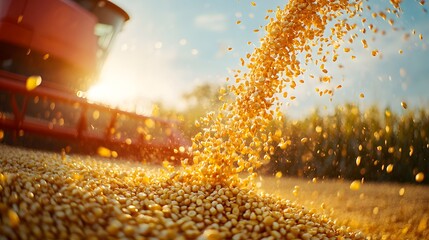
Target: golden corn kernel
[420, 177]
[13, 218]
[355, 185]
[358, 160]
[389, 168]
[33, 82]
[104, 152]
[364, 43]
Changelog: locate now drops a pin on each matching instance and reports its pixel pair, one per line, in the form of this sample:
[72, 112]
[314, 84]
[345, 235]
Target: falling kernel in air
[374, 53]
[355, 185]
[279, 174]
[420, 177]
[361, 95]
[238, 22]
[358, 159]
[253, 4]
[33, 82]
[182, 149]
[364, 43]
[242, 61]
[389, 168]
[104, 152]
[404, 105]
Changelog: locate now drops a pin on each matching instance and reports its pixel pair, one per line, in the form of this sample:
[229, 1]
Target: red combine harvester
[64, 43]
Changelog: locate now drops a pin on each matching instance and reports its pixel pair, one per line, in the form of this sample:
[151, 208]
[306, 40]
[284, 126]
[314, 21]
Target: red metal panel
[59, 28]
[10, 10]
[18, 120]
[62, 29]
[10, 16]
[15, 34]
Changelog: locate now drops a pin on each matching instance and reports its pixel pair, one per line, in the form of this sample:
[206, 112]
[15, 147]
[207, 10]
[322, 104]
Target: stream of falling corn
[238, 137]
[49, 196]
[235, 137]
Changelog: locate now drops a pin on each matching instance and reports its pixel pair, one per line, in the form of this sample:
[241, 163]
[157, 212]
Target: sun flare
[116, 87]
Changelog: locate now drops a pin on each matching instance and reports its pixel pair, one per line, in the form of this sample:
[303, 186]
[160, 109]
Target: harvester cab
[50, 52]
[65, 42]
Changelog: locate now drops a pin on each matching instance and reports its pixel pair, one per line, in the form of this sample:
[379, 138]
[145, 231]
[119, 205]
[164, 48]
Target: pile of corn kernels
[53, 196]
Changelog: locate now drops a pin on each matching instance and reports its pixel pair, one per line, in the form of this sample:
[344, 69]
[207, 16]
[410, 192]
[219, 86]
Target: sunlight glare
[115, 88]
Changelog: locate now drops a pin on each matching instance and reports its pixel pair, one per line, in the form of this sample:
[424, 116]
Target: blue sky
[168, 47]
